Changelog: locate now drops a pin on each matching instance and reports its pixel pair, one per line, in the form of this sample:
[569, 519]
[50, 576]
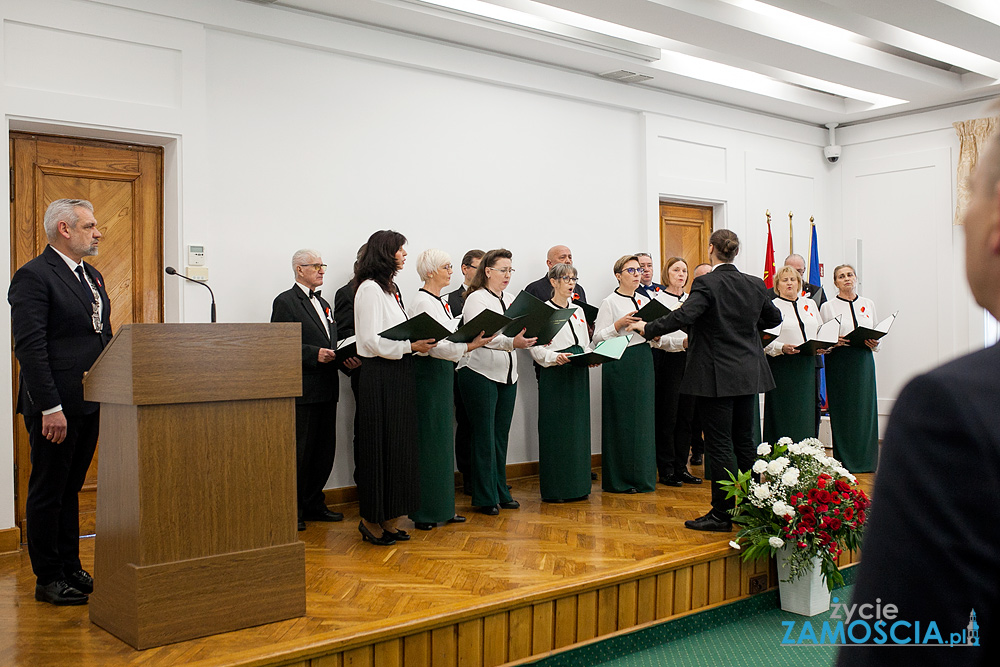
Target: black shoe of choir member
[489, 510]
[697, 459]
[59, 593]
[687, 477]
[593, 476]
[302, 524]
[458, 518]
[323, 515]
[711, 523]
[671, 481]
[367, 536]
[423, 525]
[511, 505]
[81, 581]
[399, 535]
[632, 490]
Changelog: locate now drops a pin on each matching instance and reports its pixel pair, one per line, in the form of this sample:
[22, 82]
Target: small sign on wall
[822, 274]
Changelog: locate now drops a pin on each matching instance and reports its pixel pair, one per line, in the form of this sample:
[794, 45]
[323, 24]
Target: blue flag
[814, 260]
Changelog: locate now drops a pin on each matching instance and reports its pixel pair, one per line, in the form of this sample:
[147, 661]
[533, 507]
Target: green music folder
[858, 337]
[652, 311]
[605, 351]
[421, 327]
[535, 316]
[487, 321]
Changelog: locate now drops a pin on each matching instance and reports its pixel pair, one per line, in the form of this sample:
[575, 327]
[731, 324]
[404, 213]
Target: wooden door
[124, 183]
[684, 232]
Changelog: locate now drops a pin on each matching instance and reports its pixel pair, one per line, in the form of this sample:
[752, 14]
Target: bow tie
[315, 294]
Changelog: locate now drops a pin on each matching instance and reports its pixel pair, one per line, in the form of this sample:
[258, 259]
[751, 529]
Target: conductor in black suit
[316, 408]
[726, 367]
[60, 319]
[932, 548]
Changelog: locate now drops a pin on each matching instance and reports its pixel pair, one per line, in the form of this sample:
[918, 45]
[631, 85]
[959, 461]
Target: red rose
[805, 509]
[848, 512]
[808, 520]
[842, 486]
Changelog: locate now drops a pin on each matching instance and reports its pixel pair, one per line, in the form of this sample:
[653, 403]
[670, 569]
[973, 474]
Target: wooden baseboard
[10, 540]
[349, 494]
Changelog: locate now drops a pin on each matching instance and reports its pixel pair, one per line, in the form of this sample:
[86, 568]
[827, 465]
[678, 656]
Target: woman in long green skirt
[563, 400]
[435, 377]
[628, 439]
[850, 378]
[790, 408]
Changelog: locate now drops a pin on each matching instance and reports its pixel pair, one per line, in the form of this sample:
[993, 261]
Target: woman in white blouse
[790, 408]
[487, 378]
[563, 400]
[628, 447]
[435, 377]
[850, 377]
[385, 455]
[674, 410]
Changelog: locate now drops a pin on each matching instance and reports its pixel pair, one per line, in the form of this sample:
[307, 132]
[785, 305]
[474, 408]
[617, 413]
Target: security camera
[832, 152]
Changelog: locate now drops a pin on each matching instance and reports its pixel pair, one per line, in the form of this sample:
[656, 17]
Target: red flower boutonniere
[862, 309]
[806, 308]
[575, 296]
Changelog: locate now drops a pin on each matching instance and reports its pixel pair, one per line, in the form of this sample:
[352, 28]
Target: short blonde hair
[782, 272]
[430, 261]
[623, 260]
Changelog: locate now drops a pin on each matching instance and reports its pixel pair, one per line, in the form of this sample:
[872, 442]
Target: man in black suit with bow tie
[60, 319]
[316, 408]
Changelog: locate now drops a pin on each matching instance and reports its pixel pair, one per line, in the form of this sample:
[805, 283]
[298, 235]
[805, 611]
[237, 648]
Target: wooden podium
[196, 516]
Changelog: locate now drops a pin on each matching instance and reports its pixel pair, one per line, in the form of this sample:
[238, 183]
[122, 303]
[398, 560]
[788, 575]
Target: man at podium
[316, 408]
[60, 319]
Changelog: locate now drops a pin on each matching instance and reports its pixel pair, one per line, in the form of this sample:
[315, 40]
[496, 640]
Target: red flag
[769, 260]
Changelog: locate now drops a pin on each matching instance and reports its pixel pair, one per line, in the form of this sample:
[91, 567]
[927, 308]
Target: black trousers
[729, 446]
[673, 411]
[315, 447]
[53, 504]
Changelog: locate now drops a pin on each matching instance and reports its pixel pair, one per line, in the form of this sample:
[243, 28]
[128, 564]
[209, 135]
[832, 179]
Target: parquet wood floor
[355, 589]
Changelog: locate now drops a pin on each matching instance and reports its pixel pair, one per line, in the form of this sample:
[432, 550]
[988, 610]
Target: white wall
[282, 131]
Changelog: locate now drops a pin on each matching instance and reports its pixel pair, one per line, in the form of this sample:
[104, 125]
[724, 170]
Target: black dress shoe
[685, 476]
[510, 505]
[710, 523]
[59, 593]
[424, 525]
[302, 524]
[323, 515]
[671, 481]
[458, 518]
[593, 476]
[368, 536]
[399, 535]
[81, 581]
[697, 459]
[489, 510]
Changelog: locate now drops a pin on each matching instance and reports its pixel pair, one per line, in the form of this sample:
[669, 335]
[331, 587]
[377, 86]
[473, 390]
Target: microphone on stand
[173, 272]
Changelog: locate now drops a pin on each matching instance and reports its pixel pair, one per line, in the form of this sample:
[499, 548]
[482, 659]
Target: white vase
[808, 594]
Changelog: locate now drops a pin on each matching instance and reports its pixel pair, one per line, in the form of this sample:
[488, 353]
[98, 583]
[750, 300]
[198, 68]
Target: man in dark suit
[646, 285]
[931, 547]
[61, 320]
[316, 408]
[470, 264]
[542, 288]
[726, 367]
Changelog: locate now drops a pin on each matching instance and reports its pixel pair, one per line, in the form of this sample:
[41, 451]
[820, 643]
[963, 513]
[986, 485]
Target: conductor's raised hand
[521, 343]
[425, 345]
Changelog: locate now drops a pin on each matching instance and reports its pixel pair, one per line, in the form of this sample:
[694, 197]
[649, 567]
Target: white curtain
[973, 135]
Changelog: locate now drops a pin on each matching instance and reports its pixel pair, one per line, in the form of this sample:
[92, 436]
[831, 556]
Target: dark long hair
[378, 262]
[489, 259]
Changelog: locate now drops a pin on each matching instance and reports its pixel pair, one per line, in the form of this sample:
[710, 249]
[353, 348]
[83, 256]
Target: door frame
[171, 251]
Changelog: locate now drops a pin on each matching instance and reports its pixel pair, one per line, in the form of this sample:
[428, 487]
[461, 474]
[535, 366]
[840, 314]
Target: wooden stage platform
[483, 593]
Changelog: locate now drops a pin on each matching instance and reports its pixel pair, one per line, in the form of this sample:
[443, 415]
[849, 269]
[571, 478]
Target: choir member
[487, 377]
[850, 377]
[385, 458]
[628, 451]
[789, 408]
[563, 400]
[435, 378]
[674, 410]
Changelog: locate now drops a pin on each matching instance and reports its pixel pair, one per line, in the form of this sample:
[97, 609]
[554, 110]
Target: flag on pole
[814, 276]
[769, 257]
